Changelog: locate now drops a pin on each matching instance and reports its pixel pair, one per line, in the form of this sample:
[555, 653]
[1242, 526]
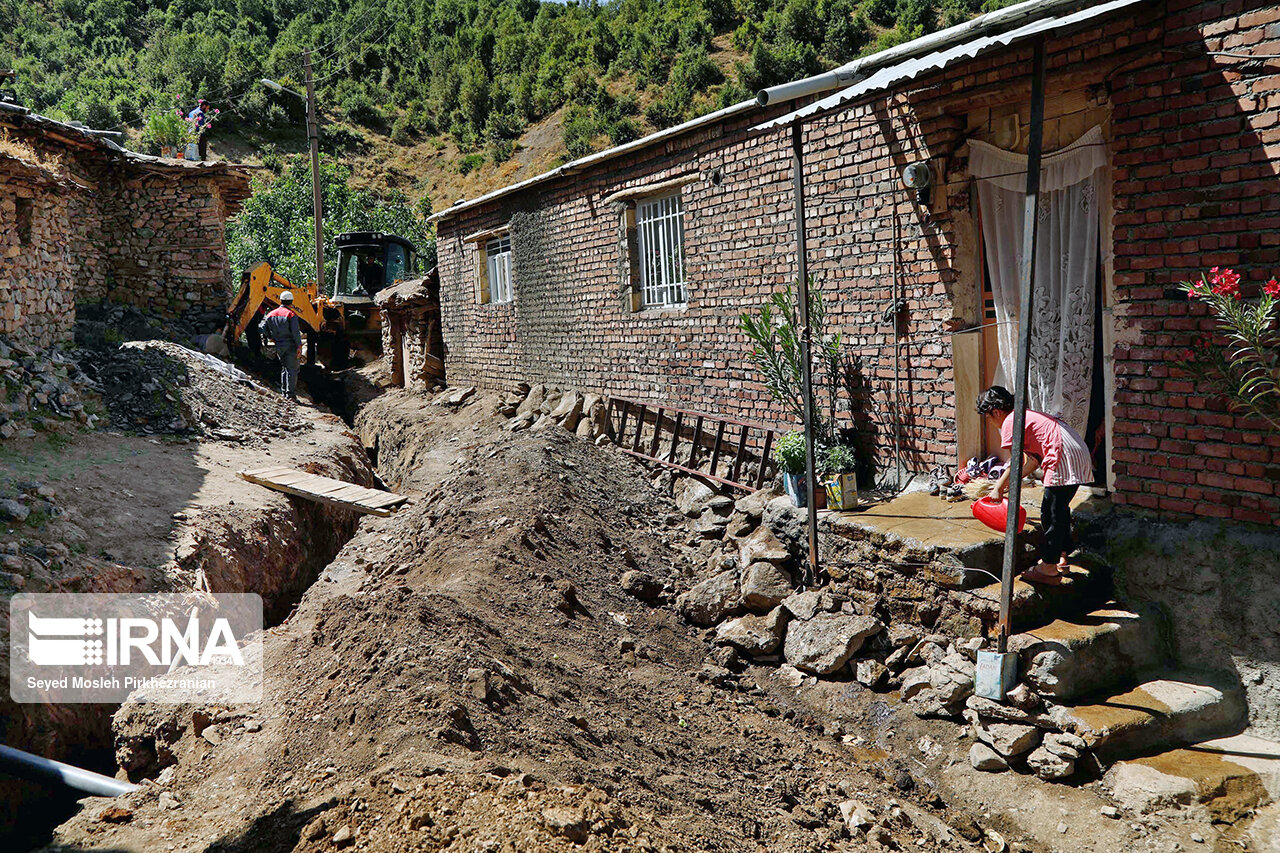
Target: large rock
[870, 673]
[914, 681]
[825, 643]
[692, 496]
[753, 505]
[552, 400]
[755, 635]
[788, 523]
[533, 400]
[712, 600]
[804, 605]
[1049, 766]
[641, 585]
[569, 410]
[1008, 739]
[983, 757]
[762, 546]
[764, 586]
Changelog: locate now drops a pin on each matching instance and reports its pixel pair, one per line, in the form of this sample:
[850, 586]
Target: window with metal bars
[660, 249]
[497, 254]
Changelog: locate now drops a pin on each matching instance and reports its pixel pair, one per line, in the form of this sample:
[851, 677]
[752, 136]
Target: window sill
[662, 310]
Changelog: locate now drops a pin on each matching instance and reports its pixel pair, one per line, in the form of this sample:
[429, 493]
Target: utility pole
[313, 136]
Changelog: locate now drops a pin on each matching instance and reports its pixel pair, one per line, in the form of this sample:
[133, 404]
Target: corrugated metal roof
[886, 78]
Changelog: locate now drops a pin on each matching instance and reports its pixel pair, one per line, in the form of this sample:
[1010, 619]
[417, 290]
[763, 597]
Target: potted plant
[166, 131]
[789, 454]
[839, 466]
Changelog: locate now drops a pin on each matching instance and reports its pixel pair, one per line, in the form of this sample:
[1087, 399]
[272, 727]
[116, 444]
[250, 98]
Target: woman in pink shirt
[1064, 459]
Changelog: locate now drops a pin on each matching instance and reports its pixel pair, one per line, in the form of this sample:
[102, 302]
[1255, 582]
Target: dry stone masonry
[93, 223]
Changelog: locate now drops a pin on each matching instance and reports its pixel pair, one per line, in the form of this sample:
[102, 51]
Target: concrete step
[1229, 776]
[1104, 648]
[1166, 711]
[1087, 585]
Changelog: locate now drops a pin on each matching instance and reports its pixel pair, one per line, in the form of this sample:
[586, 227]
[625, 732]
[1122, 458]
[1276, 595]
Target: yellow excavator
[345, 317]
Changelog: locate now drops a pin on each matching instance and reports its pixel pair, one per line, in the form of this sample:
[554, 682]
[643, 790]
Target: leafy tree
[276, 224]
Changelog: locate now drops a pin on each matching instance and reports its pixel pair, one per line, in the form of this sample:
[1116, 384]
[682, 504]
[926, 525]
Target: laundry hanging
[1061, 369]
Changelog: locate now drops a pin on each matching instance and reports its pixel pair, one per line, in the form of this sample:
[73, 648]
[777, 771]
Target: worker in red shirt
[282, 327]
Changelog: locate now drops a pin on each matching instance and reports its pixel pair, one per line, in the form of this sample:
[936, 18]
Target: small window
[497, 255]
[23, 214]
[397, 262]
[660, 246]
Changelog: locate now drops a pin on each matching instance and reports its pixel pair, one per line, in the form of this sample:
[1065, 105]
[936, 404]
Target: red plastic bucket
[995, 514]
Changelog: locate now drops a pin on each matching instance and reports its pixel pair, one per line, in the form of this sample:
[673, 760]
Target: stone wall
[163, 242]
[1218, 586]
[1185, 195]
[37, 264]
[111, 226]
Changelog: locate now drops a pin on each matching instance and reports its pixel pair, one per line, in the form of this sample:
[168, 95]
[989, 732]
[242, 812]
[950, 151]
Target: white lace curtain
[1061, 368]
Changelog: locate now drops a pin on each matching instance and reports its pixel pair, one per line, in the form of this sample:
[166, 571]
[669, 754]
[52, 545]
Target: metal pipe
[895, 311]
[1030, 235]
[806, 339]
[37, 768]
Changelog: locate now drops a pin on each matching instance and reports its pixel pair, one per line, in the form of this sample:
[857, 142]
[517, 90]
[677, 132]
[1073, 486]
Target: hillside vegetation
[464, 85]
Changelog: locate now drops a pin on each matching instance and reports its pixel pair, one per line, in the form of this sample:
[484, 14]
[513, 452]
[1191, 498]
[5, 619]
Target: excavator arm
[261, 286]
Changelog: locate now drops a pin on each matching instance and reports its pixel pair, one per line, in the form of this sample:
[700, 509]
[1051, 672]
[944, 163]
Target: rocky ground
[510, 664]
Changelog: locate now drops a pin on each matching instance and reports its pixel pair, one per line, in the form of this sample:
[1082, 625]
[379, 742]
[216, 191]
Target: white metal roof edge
[911, 68]
[1001, 20]
[592, 159]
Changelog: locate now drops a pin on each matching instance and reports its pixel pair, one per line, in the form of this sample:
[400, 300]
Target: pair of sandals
[1047, 574]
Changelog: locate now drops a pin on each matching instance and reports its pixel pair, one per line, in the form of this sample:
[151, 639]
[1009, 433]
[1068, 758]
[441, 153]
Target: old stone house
[625, 272]
[412, 341]
[88, 221]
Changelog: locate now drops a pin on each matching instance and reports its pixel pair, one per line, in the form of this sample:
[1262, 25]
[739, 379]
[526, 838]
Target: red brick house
[625, 272]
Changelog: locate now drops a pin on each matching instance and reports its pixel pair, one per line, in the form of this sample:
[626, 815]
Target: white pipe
[40, 769]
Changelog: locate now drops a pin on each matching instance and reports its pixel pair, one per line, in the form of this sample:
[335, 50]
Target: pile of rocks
[38, 386]
[748, 600]
[159, 387]
[540, 407]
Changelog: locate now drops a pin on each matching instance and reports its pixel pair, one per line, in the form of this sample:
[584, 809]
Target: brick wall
[1193, 142]
[1196, 186]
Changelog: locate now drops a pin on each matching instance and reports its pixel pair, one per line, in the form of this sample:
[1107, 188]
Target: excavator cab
[368, 261]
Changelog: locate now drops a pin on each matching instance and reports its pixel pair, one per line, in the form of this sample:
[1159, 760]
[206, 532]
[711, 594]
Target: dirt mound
[160, 387]
[469, 674]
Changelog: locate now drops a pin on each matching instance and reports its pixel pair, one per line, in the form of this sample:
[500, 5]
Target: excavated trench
[277, 549]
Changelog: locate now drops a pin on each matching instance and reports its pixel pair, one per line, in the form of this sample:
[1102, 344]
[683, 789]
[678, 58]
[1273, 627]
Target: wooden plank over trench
[325, 490]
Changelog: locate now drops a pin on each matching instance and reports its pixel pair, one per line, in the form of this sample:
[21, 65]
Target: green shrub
[788, 452]
[468, 163]
[839, 459]
[400, 131]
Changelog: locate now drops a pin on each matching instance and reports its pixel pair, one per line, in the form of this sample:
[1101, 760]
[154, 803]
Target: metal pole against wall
[806, 335]
[1030, 235]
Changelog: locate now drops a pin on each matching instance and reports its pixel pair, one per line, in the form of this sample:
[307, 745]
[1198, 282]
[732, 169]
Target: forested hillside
[460, 81]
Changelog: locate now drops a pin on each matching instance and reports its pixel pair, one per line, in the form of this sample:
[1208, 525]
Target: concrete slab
[1069, 658]
[1160, 713]
[1086, 585]
[1230, 776]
